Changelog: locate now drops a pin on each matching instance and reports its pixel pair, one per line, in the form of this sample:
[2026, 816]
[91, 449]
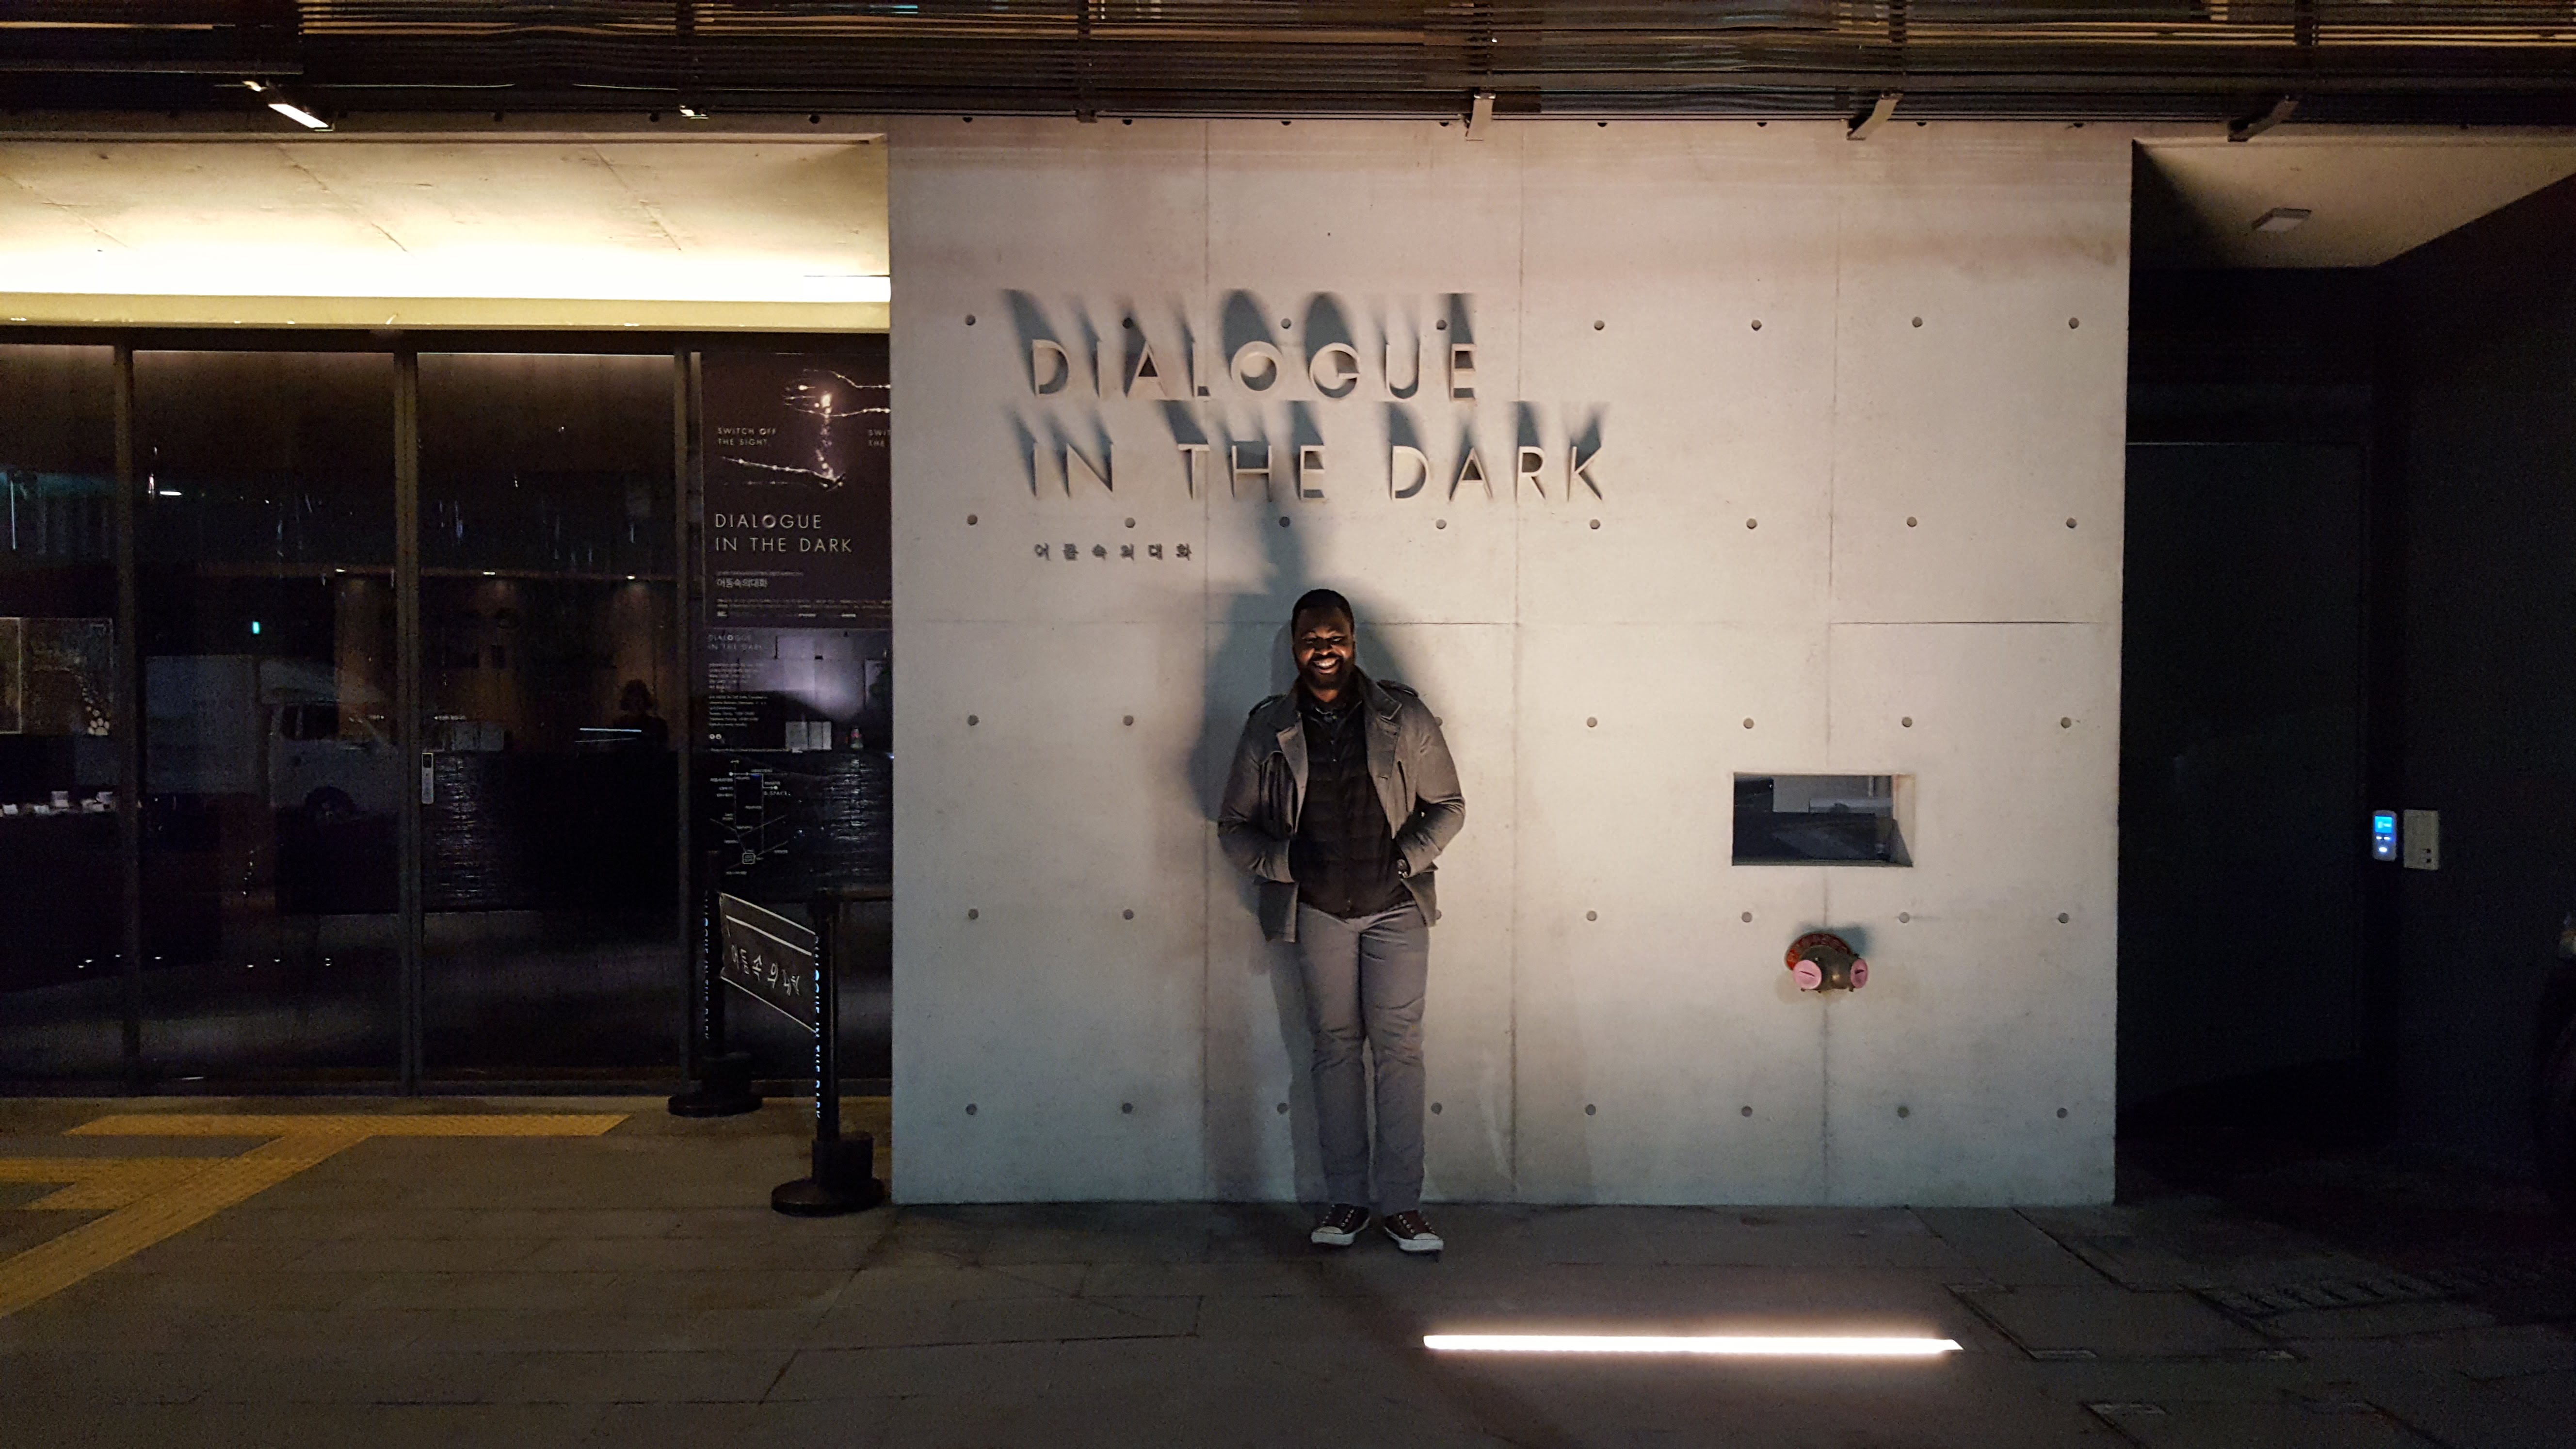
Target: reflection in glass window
[272, 786]
[61, 908]
[550, 692]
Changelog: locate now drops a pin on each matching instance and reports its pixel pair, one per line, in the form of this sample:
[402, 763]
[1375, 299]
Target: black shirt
[1343, 854]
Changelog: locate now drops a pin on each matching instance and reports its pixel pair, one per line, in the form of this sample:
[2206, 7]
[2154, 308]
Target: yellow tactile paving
[423, 1124]
[153, 1198]
[97, 1184]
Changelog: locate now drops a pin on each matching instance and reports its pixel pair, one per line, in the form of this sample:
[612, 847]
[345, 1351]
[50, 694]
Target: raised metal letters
[1146, 372]
[1578, 469]
[1050, 367]
[1257, 359]
[1097, 472]
[1471, 469]
[1266, 408]
[1342, 377]
[1527, 465]
[1234, 465]
[1403, 461]
[1413, 383]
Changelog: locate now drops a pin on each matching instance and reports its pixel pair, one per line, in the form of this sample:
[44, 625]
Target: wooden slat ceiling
[2466, 61]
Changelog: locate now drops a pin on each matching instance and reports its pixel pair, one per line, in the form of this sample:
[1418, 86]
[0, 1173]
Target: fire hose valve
[1823, 961]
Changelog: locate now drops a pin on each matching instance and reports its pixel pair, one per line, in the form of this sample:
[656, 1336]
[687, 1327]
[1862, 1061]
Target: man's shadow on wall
[1248, 661]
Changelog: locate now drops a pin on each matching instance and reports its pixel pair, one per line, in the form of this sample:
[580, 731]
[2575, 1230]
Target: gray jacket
[1408, 760]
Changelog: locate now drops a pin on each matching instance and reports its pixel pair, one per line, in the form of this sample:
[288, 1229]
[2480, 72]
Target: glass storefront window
[62, 1002]
[550, 839]
[272, 783]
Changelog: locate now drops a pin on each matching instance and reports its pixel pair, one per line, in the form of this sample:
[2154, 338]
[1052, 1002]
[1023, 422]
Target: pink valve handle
[1809, 975]
[1860, 973]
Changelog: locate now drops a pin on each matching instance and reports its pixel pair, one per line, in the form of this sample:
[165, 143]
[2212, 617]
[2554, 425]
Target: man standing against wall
[1341, 796]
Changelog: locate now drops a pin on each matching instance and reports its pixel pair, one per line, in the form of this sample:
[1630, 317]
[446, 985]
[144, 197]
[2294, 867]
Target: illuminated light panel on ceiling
[1722, 1345]
[535, 270]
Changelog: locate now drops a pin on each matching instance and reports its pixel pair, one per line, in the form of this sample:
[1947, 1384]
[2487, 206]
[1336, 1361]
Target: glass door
[549, 683]
[271, 780]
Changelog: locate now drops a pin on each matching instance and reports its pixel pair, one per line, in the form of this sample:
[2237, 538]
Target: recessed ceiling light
[2281, 218]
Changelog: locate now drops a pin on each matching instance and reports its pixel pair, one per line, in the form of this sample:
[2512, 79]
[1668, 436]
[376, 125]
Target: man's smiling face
[1321, 642]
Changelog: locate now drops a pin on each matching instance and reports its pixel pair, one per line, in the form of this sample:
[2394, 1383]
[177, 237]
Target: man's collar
[1350, 696]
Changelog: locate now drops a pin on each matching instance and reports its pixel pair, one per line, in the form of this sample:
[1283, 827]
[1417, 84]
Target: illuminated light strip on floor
[1722, 1345]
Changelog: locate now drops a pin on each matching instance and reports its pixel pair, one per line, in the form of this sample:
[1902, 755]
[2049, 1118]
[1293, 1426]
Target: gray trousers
[1365, 977]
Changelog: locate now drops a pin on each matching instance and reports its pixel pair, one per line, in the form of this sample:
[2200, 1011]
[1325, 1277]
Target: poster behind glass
[795, 787]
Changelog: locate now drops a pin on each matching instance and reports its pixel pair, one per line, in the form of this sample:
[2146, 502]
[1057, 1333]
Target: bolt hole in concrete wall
[1359, 326]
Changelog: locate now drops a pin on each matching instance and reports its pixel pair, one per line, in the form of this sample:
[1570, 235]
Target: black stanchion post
[844, 1177]
[724, 1077]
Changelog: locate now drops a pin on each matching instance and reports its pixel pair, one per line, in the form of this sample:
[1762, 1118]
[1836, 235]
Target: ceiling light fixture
[2281, 219]
[1720, 1345]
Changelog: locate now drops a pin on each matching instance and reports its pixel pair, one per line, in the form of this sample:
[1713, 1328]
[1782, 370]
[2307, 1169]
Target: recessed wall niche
[1823, 819]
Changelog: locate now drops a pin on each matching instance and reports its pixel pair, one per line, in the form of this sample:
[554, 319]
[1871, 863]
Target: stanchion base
[806, 1198]
[723, 1090]
[703, 1102]
[843, 1182]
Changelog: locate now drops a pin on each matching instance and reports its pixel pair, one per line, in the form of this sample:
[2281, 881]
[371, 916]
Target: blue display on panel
[2383, 835]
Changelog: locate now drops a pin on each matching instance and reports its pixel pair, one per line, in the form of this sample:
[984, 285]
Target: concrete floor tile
[2113, 1322]
[222, 1291]
[189, 1252]
[942, 1370]
[2007, 1248]
[374, 1376]
[57, 1424]
[518, 1292]
[887, 1324]
[170, 1329]
[105, 1376]
[1264, 1321]
[2522, 1348]
[696, 1376]
[837, 1424]
[2463, 1413]
[1251, 1279]
[946, 1283]
[2267, 1425]
[2376, 1320]
[695, 1253]
[797, 1290]
[2553, 1391]
[416, 1255]
[1007, 1320]
[579, 1330]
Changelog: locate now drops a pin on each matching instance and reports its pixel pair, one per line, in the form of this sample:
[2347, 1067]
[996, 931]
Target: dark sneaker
[1412, 1232]
[1340, 1226]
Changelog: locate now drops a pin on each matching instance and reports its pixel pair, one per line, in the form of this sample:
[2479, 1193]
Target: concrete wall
[1804, 536]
